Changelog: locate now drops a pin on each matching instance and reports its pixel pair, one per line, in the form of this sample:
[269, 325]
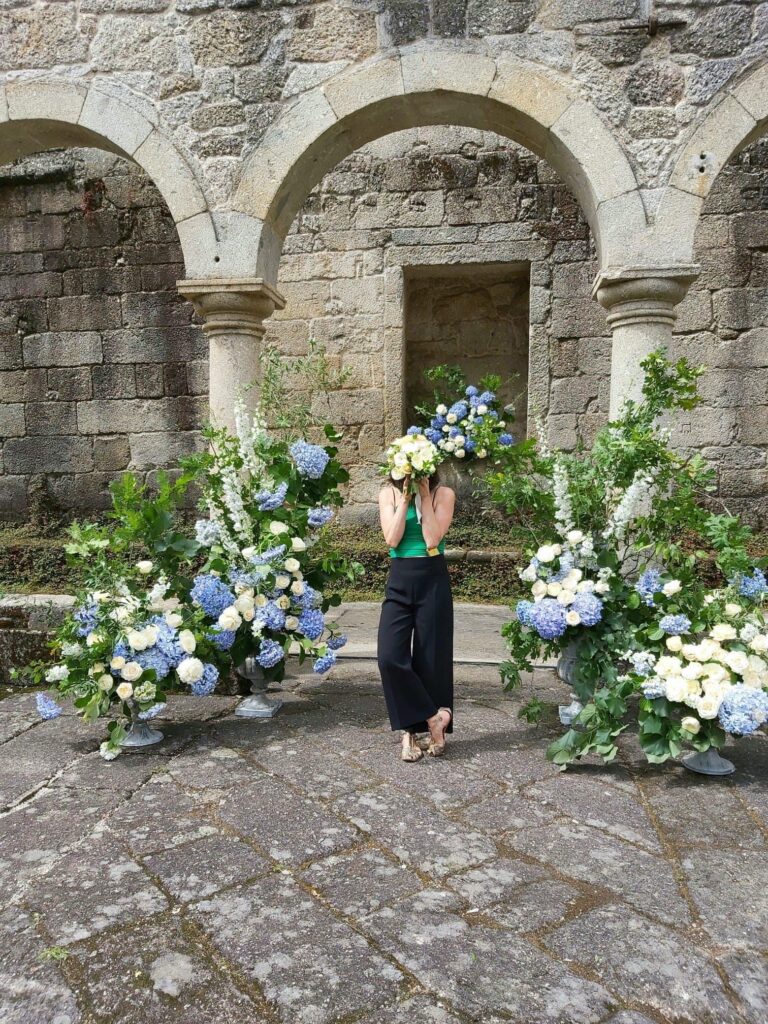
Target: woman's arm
[436, 519]
[393, 522]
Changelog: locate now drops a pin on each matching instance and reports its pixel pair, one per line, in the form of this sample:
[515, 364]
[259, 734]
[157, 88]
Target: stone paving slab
[295, 871]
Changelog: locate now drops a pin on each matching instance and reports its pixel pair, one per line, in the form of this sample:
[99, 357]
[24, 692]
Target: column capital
[642, 295]
[232, 305]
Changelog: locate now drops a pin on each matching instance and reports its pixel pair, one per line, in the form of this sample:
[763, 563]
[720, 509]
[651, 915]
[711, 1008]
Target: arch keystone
[448, 71]
[535, 95]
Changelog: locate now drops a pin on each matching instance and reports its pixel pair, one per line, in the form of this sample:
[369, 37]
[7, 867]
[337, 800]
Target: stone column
[234, 310]
[641, 313]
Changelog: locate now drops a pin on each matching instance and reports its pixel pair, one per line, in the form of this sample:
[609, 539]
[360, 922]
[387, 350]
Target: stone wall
[101, 368]
[104, 367]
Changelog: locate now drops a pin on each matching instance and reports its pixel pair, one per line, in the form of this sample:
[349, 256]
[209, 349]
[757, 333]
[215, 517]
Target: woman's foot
[411, 751]
[438, 726]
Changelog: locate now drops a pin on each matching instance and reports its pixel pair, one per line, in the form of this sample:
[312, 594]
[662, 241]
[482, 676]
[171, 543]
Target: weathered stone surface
[309, 965]
[359, 883]
[616, 944]
[198, 869]
[720, 882]
[161, 816]
[30, 986]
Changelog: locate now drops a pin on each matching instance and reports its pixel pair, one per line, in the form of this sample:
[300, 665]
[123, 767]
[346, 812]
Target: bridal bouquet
[125, 648]
[412, 455]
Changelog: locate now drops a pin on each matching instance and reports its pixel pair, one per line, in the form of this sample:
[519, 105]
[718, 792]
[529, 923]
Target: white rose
[245, 603]
[601, 587]
[441, 410]
[737, 661]
[92, 639]
[230, 618]
[482, 409]
[759, 643]
[667, 666]
[574, 536]
[297, 587]
[56, 673]
[449, 446]
[291, 564]
[573, 618]
[277, 528]
[291, 622]
[553, 589]
[451, 417]
[137, 639]
[282, 581]
[187, 641]
[297, 544]
[117, 663]
[676, 689]
[693, 670]
[145, 567]
[105, 682]
[173, 619]
[249, 614]
[673, 587]
[297, 574]
[566, 597]
[732, 609]
[248, 553]
[261, 599]
[674, 643]
[691, 724]
[722, 631]
[131, 671]
[97, 668]
[708, 706]
[190, 670]
[481, 453]
[124, 691]
[546, 553]
[459, 453]
[539, 588]
[283, 602]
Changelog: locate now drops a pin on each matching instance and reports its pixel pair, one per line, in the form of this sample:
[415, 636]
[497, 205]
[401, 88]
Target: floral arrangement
[412, 456]
[264, 584]
[625, 578]
[466, 422]
[125, 648]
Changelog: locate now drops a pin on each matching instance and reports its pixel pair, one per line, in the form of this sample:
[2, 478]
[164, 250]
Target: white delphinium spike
[249, 429]
[226, 539]
[562, 495]
[233, 499]
[634, 497]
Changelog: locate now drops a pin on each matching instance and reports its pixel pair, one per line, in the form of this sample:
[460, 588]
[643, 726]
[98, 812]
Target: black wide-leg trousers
[417, 610]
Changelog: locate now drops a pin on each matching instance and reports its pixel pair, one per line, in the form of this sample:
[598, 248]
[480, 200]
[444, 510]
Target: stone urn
[140, 733]
[565, 669]
[708, 762]
[257, 704]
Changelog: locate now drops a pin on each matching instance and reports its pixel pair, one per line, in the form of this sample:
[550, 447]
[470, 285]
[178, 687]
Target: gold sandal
[438, 749]
[411, 751]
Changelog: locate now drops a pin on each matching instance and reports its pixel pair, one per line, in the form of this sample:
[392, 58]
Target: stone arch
[416, 87]
[736, 117]
[37, 115]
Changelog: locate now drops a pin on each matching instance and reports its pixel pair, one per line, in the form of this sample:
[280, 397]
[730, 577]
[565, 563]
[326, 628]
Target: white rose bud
[137, 639]
[124, 691]
[173, 619]
[573, 618]
[297, 587]
[187, 641]
[673, 587]
[574, 536]
[97, 668]
[546, 553]
[261, 599]
[291, 564]
[291, 622]
[283, 602]
[131, 671]
[441, 410]
[117, 663]
[106, 681]
[145, 567]
[459, 453]
[539, 588]
[190, 670]
[244, 603]
[282, 581]
[297, 544]
[674, 643]
[277, 528]
[691, 724]
[732, 609]
[230, 618]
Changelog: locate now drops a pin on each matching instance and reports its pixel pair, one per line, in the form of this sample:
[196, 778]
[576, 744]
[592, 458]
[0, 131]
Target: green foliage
[291, 389]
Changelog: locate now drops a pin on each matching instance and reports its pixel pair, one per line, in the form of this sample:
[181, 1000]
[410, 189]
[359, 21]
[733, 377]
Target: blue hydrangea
[548, 618]
[439, 422]
[433, 435]
[337, 642]
[486, 398]
[320, 516]
[506, 439]
[270, 500]
[270, 653]
[207, 532]
[743, 710]
[311, 623]
[470, 391]
[753, 586]
[153, 658]
[459, 409]
[309, 598]
[153, 712]
[121, 650]
[207, 683]
[211, 594]
[47, 708]
[523, 612]
[268, 555]
[324, 662]
[413, 430]
[653, 688]
[222, 639]
[648, 585]
[566, 564]
[253, 579]
[271, 616]
[493, 414]
[310, 459]
[469, 445]
[589, 608]
[675, 625]
[88, 617]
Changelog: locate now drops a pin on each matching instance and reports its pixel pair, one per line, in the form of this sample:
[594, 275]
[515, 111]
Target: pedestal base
[708, 762]
[258, 706]
[141, 734]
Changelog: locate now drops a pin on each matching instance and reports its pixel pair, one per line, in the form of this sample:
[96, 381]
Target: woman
[418, 686]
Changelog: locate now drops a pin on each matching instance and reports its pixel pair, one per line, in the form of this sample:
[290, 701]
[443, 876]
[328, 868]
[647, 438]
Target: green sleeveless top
[412, 542]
